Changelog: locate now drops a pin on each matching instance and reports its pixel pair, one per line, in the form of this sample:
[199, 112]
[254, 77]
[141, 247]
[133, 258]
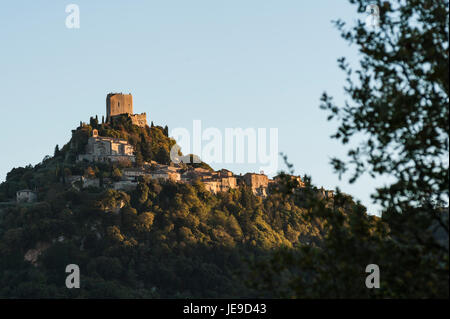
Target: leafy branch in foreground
[399, 112]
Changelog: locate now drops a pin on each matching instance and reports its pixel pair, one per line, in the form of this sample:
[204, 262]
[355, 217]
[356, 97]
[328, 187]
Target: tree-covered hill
[168, 240]
[179, 240]
[163, 239]
[149, 143]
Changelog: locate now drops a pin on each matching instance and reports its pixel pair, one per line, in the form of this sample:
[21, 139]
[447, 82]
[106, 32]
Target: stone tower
[118, 103]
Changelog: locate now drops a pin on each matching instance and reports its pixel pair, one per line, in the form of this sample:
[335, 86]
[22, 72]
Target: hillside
[162, 239]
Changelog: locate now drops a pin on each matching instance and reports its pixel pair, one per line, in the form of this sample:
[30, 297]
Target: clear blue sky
[230, 64]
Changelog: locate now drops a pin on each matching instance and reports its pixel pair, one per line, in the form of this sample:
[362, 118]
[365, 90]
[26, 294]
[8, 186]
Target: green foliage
[399, 113]
[161, 240]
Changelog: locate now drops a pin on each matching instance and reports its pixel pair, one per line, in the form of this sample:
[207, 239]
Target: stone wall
[139, 119]
[256, 180]
[213, 186]
[228, 183]
[258, 183]
[125, 185]
[166, 175]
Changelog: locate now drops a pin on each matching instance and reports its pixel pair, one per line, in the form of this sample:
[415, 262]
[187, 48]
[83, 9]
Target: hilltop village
[102, 149]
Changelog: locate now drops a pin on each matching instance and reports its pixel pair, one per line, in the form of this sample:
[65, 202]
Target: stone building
[278, 178]
[212, 185]
[224, 173]
[118, 104]
[220, 181]
[228, 183]
[107, 149]
[26, 196]
[166, 173]
[195, 173]
[220, 184]
[257, 182]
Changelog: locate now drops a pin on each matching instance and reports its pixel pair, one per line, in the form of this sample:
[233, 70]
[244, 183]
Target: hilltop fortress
[118, 104]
